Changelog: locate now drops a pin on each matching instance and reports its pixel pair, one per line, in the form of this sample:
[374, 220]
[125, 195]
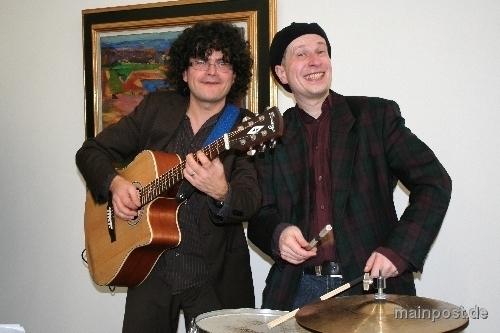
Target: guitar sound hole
[137, 219]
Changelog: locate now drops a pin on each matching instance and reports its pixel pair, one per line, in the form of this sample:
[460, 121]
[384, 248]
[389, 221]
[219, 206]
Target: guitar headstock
[257, 130]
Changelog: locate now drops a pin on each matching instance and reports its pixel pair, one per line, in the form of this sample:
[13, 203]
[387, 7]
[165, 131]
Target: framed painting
[125, 47]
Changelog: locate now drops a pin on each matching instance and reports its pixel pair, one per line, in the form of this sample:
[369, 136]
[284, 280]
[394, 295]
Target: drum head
[245, 321]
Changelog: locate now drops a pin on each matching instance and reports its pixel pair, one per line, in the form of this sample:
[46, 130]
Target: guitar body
[129, 258]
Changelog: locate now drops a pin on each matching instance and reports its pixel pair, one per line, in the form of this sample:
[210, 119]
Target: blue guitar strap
[226, 121]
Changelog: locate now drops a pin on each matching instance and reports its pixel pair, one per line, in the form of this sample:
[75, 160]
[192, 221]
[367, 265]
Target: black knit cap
[285, 36]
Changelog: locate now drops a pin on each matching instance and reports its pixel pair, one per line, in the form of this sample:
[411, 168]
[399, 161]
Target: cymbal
[395, 313]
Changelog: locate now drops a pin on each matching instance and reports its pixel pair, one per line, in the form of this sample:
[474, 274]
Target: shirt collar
[325, 108]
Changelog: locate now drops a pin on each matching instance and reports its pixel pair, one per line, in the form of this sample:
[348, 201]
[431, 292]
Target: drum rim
[250, 311]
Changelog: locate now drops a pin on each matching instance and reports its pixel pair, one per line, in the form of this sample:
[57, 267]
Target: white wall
[438, 59]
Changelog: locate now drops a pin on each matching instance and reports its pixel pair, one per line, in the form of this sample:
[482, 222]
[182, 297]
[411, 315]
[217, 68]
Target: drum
[245, 321]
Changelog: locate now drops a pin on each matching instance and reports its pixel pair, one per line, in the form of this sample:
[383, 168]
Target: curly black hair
[199, 41]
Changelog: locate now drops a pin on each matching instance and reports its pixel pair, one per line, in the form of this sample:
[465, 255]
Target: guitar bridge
[110, 220]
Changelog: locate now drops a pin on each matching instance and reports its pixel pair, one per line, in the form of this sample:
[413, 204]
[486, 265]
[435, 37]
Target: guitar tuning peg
[251, 152]
[262, 147]
[246, 118]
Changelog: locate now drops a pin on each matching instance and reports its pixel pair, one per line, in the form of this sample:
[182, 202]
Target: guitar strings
[172, 176]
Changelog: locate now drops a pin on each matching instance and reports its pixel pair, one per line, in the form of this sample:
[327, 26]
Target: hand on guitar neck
[125, 198]
[207, 176]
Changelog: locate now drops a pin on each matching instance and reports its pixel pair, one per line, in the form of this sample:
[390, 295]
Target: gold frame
[262, 91]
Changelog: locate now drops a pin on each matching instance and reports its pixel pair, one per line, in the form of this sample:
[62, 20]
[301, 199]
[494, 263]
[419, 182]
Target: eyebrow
[288, 49]
[319, 43]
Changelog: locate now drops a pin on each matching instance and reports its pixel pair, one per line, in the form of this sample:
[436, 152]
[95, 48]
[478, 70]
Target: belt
[328, 268]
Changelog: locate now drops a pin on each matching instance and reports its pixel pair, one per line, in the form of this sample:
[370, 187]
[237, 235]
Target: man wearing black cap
[338, 163]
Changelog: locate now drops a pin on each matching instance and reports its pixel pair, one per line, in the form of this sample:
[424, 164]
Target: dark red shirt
[320, 184]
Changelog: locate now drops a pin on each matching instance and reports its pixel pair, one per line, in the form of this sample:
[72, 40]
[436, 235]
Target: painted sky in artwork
[158, 40]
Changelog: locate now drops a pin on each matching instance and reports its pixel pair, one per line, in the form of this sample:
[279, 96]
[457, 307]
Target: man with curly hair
[209, 67]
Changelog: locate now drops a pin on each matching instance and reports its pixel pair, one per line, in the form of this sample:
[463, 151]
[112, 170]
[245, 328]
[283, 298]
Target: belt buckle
[334, 270]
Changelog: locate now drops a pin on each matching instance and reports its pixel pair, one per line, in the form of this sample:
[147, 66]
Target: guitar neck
[168, 179]
[248, 134]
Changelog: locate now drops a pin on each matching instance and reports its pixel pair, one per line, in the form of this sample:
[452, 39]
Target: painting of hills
[131, 66]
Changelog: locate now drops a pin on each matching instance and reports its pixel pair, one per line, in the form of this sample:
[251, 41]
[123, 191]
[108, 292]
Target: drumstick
[332, 293]
[316, 239]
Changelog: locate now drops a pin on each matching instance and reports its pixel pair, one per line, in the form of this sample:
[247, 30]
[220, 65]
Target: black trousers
[152, 308]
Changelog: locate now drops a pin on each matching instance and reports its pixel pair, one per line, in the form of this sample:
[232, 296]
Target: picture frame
[124, 48]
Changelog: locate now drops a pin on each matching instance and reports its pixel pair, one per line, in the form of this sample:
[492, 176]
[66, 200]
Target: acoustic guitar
[123, 252]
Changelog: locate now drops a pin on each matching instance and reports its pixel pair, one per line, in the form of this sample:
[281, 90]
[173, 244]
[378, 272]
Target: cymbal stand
[380, 281]
[365, 278]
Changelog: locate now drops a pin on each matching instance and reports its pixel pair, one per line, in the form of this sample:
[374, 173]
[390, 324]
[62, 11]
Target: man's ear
[280, 72]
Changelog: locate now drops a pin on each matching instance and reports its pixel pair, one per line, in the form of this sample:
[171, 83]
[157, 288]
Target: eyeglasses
[203, 65]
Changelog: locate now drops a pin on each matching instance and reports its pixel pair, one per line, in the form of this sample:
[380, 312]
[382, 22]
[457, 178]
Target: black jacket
[151, 126]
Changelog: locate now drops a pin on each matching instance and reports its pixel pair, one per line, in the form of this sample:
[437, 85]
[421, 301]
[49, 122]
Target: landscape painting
[131, 66]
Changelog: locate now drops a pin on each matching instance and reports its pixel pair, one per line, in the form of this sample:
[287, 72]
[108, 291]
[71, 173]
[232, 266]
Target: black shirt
[184, 266]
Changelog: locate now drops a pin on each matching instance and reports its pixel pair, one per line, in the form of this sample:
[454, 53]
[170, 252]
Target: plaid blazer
[371, 150]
